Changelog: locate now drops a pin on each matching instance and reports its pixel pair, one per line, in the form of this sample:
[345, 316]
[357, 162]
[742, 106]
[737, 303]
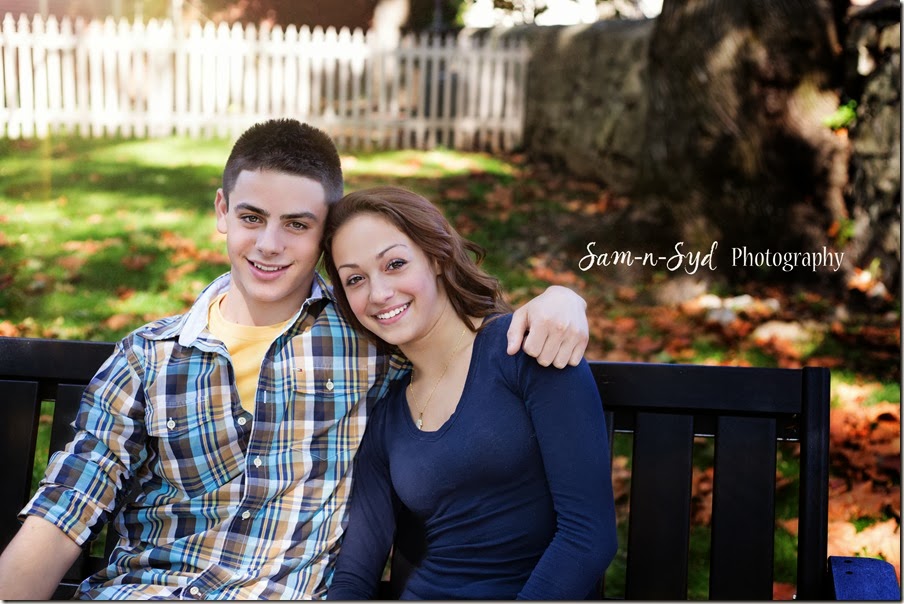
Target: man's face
[273, 225]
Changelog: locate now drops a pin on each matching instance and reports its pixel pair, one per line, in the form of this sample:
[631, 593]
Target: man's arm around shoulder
[34, 562]
[556, 328]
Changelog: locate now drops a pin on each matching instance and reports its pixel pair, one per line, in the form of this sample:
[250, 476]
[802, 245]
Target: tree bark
[736, 147]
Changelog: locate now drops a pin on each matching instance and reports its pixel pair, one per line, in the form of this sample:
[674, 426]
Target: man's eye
[250, 218]
[298, 226]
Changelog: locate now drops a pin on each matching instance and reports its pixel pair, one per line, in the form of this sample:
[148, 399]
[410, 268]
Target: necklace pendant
[420, 422]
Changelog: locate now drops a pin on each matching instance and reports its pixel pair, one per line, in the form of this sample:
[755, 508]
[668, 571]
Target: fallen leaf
[8, 330]
[860, 501]
[464, 225]
[625, 324]
[791, 526]
[456, 193]
[72, 264]
[138, 262]
[621, 478]
[626, 293]
[702, 496]
[118, 322]
[783, 591]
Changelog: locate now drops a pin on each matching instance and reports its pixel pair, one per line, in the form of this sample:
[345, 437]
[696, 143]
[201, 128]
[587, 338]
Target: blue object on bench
[863, 579]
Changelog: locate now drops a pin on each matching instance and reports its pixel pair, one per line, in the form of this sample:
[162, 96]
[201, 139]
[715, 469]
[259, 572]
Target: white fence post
[26, 79]
[108, 78]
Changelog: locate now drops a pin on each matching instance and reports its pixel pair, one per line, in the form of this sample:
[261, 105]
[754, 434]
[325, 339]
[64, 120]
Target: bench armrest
[855, 578]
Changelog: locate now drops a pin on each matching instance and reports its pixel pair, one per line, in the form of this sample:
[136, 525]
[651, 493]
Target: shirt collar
[189, 326]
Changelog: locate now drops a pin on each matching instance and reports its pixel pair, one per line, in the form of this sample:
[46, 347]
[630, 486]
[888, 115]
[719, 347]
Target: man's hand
[556, 326]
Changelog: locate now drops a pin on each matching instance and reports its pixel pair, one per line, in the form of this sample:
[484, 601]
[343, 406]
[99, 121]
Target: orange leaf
[118, 322]
[792, 525]
[8, 330]
[783, 591]
[138, 262]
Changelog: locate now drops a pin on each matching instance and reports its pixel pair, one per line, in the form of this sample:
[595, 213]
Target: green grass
[42, 446]
[887, 392]
[85, 235]
[88, 225]
[707, 351]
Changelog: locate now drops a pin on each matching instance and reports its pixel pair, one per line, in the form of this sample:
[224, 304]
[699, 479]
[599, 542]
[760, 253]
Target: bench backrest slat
[743, 524]
[812, 536]
[658, 529]
[698, 388]
[21, 409]
[52, 361]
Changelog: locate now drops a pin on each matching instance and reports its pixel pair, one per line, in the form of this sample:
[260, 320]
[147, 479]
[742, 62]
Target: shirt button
[171, 424]
[242, 421]
[257, 462]
[246, 515]
[329, 384]
[194, 591]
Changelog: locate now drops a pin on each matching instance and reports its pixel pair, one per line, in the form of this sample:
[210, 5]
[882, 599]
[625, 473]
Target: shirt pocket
[322, 398]
[189, 446]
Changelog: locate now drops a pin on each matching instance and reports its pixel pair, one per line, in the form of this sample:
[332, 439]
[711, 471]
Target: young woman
[503, 462]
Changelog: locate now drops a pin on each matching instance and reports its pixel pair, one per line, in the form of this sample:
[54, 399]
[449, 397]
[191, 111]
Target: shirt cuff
[72, 512]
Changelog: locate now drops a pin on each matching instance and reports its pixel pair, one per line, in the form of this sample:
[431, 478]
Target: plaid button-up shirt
[226, 505]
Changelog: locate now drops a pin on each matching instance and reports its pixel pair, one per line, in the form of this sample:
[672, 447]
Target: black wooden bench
[665, 408]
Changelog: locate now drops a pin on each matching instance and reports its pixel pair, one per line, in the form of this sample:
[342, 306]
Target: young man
[234, 425]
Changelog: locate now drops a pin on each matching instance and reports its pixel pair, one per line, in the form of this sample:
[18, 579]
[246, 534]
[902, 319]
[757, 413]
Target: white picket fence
[128, 79]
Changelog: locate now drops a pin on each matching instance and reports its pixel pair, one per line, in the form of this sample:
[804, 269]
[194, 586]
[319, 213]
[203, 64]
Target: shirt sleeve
[83, 483]
[372, 520]
[567, 415]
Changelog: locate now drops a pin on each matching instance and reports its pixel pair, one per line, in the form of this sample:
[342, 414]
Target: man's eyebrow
[379, 255]
[300, 216]
[296, 216]
[250, 208]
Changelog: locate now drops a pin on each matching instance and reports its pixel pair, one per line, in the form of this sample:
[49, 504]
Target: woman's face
[391, 285]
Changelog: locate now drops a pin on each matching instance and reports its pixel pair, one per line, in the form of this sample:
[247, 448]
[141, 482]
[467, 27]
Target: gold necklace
[420, 410]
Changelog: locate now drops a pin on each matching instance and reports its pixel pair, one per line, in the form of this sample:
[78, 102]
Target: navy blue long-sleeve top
[514, 490]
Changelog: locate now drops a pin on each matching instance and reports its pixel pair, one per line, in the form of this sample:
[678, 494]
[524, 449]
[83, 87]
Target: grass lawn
[99, 236]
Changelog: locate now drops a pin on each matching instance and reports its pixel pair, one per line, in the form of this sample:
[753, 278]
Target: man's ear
[221, 206]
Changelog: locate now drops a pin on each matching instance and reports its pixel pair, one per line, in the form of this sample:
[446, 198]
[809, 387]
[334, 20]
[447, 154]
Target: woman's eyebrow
[379, 255]
[383, 253]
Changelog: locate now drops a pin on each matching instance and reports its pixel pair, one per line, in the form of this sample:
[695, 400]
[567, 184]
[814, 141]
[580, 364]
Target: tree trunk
[873, 79]
[736, 148]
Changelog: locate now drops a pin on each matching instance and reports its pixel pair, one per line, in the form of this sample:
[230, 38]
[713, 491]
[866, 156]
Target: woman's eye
[353, 280]
[396, 264]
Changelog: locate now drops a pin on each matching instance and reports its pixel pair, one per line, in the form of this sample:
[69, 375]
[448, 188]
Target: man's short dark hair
[289, 146]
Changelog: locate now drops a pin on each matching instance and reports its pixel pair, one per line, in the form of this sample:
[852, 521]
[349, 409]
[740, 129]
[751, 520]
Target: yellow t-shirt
[247, 345]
